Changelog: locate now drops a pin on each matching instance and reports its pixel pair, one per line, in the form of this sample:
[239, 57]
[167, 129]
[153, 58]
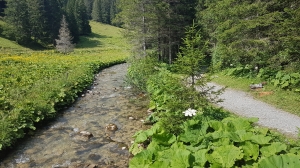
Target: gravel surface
[245, 105]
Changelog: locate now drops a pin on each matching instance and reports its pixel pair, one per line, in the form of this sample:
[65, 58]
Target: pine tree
[71, 19]
[64, 41]
[17, 17]
[53, 14]
[192, 54]
[96, 11]
[81, 17]
[36, 19]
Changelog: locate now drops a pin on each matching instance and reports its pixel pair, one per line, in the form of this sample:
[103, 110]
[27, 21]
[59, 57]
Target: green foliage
[232, 142]
[254, 33]
[140, 70]
[192, 54]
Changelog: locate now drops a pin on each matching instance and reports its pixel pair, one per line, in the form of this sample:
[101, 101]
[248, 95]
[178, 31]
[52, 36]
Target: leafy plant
[232, 142]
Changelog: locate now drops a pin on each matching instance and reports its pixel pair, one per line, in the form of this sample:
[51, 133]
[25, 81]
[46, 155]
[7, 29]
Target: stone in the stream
[86, 134]
[83, 136]
[131, 118]
[111, 127]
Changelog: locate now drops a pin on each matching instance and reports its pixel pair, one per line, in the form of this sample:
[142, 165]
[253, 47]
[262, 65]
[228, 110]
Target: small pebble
[123, 148]
[131, 118]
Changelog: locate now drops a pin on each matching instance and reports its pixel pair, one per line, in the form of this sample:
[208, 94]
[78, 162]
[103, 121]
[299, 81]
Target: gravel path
[245, 105]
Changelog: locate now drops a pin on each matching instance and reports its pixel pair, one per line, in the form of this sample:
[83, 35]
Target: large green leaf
[164, 138]
[251, 150]
[200, 157]
[272, 149]
[280, 161]
[142, 159]
[216, 125]
[234, 124]
[261, 139]
[177, 156]
[225, 155]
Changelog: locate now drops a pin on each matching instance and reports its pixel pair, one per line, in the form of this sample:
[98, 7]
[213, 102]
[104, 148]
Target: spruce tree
[96, 11]
[64, 42]
[192, 53]
[17, 18]
[81, 17]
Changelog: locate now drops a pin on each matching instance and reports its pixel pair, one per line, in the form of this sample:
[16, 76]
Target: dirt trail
[245, 105]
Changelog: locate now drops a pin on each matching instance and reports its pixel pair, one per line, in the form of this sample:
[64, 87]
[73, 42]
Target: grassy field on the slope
[282, 99]
[34, 85]
[7, 45]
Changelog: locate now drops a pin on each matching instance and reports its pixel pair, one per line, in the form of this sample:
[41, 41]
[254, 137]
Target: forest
[37, 22]
[172, 42]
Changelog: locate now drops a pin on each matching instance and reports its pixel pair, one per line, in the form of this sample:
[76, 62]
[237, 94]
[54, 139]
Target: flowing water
[85, 135]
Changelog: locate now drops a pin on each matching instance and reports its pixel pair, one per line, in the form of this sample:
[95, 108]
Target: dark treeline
[38, 21]
[253, 33]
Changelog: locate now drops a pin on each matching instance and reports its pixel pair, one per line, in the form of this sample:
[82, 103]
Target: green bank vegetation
[252, 41]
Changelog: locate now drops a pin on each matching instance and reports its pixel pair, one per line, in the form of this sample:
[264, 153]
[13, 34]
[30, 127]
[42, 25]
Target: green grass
[286, 100]
[104, 37]
[7, 45]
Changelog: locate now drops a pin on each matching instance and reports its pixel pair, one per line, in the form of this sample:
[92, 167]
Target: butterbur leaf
[216, 125]
[273, 149]
[200, 157]
[159, 164]
[280, 161]
[260, 139]
[251, 150]
[234, 124]
[225, 155]
[164, 138]
[142, 159]
[176, 156]
[136, 148]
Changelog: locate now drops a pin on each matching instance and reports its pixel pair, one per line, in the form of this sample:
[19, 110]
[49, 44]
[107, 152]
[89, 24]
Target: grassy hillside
[34, 85]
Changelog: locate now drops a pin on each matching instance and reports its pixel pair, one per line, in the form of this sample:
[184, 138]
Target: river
[96, 131]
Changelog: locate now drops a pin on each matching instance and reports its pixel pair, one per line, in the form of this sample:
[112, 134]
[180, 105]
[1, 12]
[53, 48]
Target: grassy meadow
[35, 85]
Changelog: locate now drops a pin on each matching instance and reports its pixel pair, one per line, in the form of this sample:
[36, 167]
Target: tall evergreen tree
[71, 19]
[2, 7]
[37, 19]
[53, 14]
[64, 41]
[17, 17]
[89, 7]
[81, 17]
[96, 11]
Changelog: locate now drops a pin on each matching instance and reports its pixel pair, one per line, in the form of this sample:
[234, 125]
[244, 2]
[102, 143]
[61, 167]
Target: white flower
[190, 112]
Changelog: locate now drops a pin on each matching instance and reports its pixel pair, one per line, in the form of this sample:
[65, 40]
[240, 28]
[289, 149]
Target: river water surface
[85, 134]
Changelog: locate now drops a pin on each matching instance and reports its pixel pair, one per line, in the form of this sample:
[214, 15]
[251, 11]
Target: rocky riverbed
[95, 132]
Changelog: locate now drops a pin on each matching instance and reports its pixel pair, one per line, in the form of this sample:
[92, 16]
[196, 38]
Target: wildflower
[190, 112]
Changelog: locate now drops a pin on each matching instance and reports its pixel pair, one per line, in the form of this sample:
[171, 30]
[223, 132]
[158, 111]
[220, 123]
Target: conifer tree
[17, 17]
[191, 57]
[64, 42]
[96, 11]
[81, 17]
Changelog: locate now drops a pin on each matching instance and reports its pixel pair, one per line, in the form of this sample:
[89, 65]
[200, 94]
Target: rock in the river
[83, 136]
[86, 134]
[111, 127]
